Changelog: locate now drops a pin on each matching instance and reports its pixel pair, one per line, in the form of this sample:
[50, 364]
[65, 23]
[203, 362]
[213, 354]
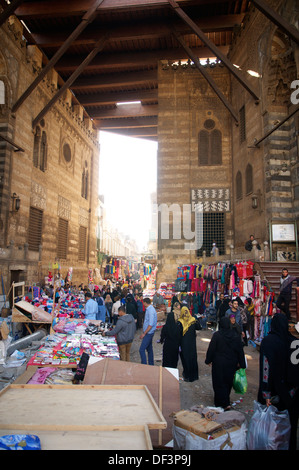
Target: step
[271, 272]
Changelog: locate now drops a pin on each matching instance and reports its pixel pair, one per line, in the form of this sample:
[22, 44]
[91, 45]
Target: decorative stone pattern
[72, 144]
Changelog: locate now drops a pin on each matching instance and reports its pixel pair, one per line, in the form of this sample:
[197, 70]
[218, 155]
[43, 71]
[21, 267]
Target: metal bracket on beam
[257, 142]
[9, 141]
[9, 10]
[206, 75]
[213, 48]
[277, 19]
[98, 47]
[86, 20]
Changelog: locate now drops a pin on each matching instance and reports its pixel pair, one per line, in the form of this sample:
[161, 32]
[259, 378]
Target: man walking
[285, 293]
[149, 328]
[124, 331]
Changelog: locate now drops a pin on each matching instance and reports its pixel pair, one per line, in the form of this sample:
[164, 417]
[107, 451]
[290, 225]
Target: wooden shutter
[216, 147]
[242, 124]
[203, 148]
[82, 243]
[35, 228]
[62, 238]
[249, 179]
[239, 189]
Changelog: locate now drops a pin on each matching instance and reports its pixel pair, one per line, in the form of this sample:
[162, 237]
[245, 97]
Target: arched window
[43, 152]
[40, 149]
[239, 190]
[84, 183]
[36, 147]
[249, 179]
[209, 144]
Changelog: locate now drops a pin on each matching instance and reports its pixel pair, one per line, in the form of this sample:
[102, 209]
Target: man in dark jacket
[248, 244]
[124, 331]
[285, 292]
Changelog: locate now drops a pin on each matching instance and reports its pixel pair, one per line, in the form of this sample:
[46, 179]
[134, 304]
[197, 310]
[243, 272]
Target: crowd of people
[127, 311]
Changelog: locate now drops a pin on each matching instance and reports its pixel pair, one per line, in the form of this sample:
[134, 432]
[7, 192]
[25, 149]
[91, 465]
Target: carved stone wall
[53, 186]
[187, 106]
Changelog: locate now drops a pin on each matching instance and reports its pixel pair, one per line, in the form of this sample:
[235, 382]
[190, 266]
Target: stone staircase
[271, 271]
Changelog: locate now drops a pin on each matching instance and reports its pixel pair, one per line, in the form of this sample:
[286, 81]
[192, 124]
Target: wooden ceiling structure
[107, 51]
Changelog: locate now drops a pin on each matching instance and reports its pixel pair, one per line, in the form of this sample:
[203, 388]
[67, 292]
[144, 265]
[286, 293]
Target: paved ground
[200, 392]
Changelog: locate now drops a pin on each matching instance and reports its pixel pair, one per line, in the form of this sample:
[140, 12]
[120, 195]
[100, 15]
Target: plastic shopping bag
[240, 381]
[20, 442]
[269, 429]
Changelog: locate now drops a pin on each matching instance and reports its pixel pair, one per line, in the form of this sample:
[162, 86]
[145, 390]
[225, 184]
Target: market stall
[198, 284]
[72, 338]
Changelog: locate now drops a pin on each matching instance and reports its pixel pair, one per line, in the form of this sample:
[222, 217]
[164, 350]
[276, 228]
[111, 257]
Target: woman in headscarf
[225, 353]
[170, 338]
[279, 374]
[187, 329]
[108, 305]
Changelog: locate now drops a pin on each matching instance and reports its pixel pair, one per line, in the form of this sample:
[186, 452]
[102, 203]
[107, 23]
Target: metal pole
[289, 29]
[72, 78]
[209, 79]
[213, 48]
[9, 10]
[257, 142]
[86, 20]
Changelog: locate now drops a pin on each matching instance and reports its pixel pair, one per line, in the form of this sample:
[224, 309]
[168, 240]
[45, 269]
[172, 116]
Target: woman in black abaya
[225, 353]
[279, 374]
[187, 328]
[170, 338]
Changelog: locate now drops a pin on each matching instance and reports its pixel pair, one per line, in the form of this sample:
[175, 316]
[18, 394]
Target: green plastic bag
[240, 381]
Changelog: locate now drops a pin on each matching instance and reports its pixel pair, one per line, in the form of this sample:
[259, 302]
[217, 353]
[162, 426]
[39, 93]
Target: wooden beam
[141, 30]
[207, 76]
[110, 124]
[127, 111]
[277, 19]
[146, 132]
[97, 82]
[118, 97]
[87, 18]
[213, 48]
[58, 8]
[69, 82]
[133, 59]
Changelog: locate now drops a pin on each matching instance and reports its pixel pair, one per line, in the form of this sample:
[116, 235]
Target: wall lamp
[16, 202]
[256, 200]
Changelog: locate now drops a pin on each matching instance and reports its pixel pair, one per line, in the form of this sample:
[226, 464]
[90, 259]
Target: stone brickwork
[186, 105]
[63, 185]
[260, 47]
[263, 179]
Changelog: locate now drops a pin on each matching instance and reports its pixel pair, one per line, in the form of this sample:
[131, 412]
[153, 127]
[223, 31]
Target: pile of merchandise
[68, 350]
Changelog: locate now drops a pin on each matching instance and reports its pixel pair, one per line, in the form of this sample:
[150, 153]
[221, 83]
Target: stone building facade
[48, 174]
[245, 183]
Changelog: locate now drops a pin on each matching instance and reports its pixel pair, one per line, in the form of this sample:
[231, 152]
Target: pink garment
[232, 281]
[39, 377]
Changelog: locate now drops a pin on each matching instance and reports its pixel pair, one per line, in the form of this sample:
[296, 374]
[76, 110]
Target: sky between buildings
[128, 177]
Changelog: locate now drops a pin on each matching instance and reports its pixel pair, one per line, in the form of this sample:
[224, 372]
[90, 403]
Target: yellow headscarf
[186, 319]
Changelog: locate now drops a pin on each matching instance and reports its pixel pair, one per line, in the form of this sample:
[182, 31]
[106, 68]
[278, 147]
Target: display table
[66, 350]
[81, 416]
